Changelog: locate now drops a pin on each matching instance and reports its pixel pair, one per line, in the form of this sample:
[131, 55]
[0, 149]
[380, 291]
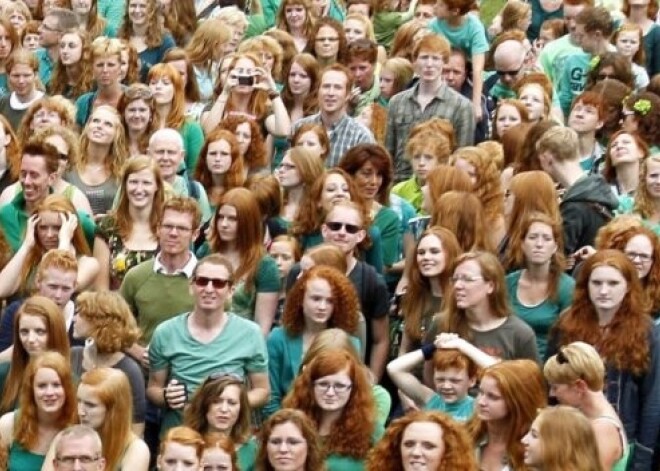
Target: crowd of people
[331, 235]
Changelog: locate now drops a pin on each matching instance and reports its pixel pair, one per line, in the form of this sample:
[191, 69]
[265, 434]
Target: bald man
[166, 147]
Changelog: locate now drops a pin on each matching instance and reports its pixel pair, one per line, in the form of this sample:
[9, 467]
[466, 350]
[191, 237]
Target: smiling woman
[47, 406]
[132, 224]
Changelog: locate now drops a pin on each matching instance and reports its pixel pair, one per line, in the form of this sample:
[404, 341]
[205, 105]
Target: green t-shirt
[572, 79]
[336, 462]
[266, 280]
[246, 454]
[390, 234]
[239, 349]
[460, 411]
[543, 316]
[469, 36]
[554, 54]
[386, 24]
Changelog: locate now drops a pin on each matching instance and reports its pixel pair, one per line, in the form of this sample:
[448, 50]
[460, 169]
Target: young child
[454, 373]
[286, 252]
[387, 20]
[464, 31]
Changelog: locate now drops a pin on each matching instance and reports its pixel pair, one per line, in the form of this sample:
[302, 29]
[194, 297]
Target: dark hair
[358, 156]
[362, 49]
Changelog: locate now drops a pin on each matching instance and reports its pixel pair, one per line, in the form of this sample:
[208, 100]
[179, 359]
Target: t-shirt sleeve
[268, 276]
[157, 358]
[258, 360]
[526, 343]
[478, 40]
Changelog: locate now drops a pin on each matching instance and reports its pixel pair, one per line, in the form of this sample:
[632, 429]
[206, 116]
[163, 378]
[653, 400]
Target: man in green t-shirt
[205, 344]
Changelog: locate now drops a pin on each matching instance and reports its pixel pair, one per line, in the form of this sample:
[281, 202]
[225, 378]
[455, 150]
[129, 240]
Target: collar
[16, 104]
[440, 93]
[337, 124]
[187, 269]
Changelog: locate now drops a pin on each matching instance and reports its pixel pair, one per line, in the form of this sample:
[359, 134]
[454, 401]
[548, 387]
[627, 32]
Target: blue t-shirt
[469, 37]
[459, 410]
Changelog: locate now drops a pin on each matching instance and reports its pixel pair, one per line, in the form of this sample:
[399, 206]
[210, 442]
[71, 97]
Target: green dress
[21, 459]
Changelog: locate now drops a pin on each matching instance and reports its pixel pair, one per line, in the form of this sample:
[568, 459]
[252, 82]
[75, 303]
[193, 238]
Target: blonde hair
[577, 360]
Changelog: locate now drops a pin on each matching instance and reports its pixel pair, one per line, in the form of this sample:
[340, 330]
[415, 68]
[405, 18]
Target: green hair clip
[593, 63]
[642, 106]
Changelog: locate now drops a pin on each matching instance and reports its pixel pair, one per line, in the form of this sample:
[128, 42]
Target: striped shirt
[343, 135]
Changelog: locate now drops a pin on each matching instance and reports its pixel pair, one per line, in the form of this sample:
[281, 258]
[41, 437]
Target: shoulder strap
[193, 190]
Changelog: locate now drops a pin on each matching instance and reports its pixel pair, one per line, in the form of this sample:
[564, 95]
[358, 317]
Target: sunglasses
[63, 156]
[224, 375]
[217, 283]
[508, 73]
[336, 226]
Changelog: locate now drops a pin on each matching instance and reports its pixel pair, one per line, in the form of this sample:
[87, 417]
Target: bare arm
[478, 61]
[10, 276]
[609, 443]
[399, 371]
[88, 270]
[5, 356]
[102, 256]
[136, 457]
[259, 389]
[380, 343]
[264, 311]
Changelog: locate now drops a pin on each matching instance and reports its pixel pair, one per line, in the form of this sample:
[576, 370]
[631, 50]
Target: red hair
[351, 433]
[249, 236]
[625, 344]
[458, 447]
[177, 114]
[255, 155]
[346, 304]
[521, 385]
[235, 176]
[418, 297]
[27, 422]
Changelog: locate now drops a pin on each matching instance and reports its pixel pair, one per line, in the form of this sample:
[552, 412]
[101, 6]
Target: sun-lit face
[532, 96]
[48, 391]
[508, 116]
[422, 447]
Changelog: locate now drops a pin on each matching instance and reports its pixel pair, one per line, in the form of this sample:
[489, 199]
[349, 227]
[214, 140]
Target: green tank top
[21, 459]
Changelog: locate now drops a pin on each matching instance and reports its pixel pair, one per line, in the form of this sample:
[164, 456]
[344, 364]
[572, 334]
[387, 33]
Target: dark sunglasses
[509, 73]
[63, 156]
[218, 283]
[336, 226]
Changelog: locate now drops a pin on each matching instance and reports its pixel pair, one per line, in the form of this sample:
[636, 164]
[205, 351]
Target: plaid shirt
[405, 112]
[344, 134]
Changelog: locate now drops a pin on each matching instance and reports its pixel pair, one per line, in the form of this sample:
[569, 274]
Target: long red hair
[625, 344]
[346, 304]
[235, 176]
[178, 110]
[521, 385]
[249, 237]
[351, 433]
[27, 423]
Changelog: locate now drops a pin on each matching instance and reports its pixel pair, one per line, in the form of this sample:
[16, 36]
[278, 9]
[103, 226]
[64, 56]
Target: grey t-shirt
[512, 340]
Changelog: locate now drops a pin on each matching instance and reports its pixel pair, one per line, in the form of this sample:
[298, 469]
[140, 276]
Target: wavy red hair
[346, 304]
[350, 434]
[235, 176]
[256, 155]
[458, 454]
[522, 386]
[625, 344]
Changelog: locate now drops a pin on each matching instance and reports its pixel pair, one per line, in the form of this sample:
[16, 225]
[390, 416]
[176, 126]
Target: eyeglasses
[606, 76]
[466, 278]
[70, 461]
[643, 257]
[63, 156]
[217, 283]
[138, 93]
[326, 40]
[339, 388]
[627, 112]
[171, 227]
[336, 227]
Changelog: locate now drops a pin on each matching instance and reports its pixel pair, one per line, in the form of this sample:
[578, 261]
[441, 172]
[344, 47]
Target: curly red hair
[458, 454]
[625, 344]
[350, 434]
[255, 155]
[346, 304]
[235, 176]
